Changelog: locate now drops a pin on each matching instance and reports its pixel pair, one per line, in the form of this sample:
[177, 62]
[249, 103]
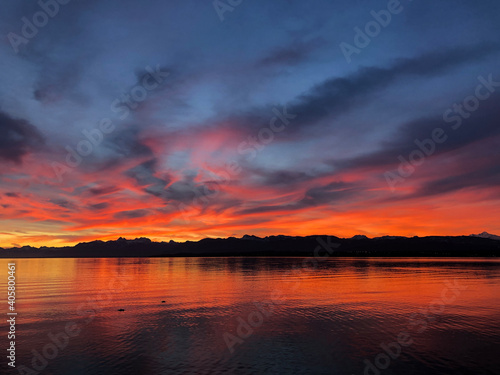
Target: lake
[255, 316]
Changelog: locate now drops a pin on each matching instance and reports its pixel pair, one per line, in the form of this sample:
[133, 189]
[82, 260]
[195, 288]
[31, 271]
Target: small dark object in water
[121, 309]
[162, 301]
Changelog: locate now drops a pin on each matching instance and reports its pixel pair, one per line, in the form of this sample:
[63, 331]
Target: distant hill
[486, 235]
[358, 246]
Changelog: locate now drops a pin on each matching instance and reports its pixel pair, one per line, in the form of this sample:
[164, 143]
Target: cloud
[18, 138]
[134, 214]
[63, 203]
[292, 54]
[475, 166]
[103, 190]
[285, 178]
[144, 176]
[339, 95]
[127, 143]
[483, 178]
[188, 191]
[333, 192]
[99, 206]
[316, 196]
[481, 125]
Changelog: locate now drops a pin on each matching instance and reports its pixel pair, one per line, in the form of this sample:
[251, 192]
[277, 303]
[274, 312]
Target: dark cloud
[134, 214]
[190, 192]
[291, 54]
[103, 190]
[482, 178]
[331, 193]
[145, 74]
[99, 206]
[63, 203]
[59, 81]
[339, 95]
[481, 125]
[476, 166]
[18, 138]
[144, 175]
[283, 178]
[12, 195]
[127, 143]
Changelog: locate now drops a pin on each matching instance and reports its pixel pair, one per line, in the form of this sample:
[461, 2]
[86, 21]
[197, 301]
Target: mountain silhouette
[249, 245]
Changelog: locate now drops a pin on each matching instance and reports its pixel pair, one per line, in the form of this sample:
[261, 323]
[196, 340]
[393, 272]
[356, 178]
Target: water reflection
[179, 313]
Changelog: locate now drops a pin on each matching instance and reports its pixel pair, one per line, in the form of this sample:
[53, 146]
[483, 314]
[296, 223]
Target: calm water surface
[257, 316]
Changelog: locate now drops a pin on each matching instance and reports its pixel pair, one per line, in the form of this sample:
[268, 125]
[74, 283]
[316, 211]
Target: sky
[180, 120]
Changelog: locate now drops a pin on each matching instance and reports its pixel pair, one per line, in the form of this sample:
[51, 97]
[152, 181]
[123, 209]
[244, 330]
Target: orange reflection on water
[177, 310]
[223, 282]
